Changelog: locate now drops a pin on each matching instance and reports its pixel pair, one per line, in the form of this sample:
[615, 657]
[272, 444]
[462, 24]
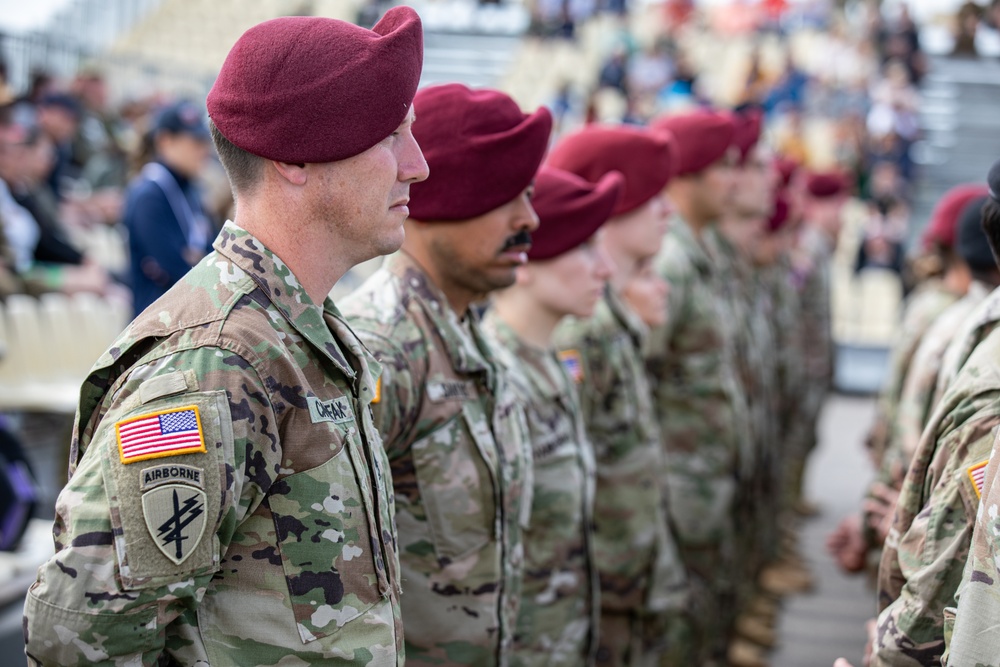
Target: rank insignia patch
[175, 517]
[977, 474]
[574, 366]
[159, 434]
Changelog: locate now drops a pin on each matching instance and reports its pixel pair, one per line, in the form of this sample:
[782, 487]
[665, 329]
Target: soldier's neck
[531, 320]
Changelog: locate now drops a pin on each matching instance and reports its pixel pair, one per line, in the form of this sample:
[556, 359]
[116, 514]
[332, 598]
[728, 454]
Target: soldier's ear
[293, 173]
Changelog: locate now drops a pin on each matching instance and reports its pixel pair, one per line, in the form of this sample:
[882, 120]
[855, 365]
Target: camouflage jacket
[924, 306]
[812, 274]
[919, 394]
[557, 623]
[635, 552]
[700, 405]
[458, 448]
[974, 329]
[785, 318]
[753, 345]
[929, 541]
[970, 629]
[229, 501]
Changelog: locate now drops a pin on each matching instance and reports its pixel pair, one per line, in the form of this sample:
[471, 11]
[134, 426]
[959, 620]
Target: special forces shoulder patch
[158, 434]
[573, 364]
[174, 509]
[977, 474]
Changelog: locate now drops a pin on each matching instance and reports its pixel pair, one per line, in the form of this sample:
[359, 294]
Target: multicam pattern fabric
[701, 409]
[297, 562]
[458, 446]
[922, 308]
[557, 623]
[919, 395]
[704, 421]
[928, 544]
[641, 575]
[975, 328]
[970, 629]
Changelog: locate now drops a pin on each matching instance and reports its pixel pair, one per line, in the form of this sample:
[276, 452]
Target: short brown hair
[244, 169]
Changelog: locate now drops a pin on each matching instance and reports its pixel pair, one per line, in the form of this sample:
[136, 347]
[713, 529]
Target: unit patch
[337, 410]
[166, 433]
[977, 474]
[175, 517]
[572, 364]
[159, 475]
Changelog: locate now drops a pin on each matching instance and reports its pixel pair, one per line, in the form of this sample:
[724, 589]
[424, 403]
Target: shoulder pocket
[165, 469]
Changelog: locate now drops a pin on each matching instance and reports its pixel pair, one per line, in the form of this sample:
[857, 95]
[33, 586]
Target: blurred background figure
[168, 229]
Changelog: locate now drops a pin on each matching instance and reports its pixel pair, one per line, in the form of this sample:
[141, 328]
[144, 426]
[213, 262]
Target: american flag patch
[159, 434]
[572, 364]
[977, 474]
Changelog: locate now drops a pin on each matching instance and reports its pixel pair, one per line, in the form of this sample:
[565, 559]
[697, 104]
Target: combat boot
[756, 630]
[746, 654]
[786, 578]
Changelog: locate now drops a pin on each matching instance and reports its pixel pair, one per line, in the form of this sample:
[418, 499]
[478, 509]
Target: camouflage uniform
[922, 308]
[457, 443]
[928, 544]
[919, 394]
[753, 343]
[262, 531]
[703, 420]
[970, 630]
[975, 328]
[557, 622]
[643, 583]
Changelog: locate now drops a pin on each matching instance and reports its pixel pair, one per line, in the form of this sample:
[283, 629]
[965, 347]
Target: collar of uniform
[627, 317]
[695, 249]
[284, 291]
[468, 350]
[535, 364]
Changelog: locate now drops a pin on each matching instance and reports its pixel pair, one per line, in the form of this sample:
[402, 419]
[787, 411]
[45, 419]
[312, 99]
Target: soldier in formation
[230, 499]
[597, 473]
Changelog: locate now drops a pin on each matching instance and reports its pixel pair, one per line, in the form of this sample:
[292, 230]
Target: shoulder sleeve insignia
[378, 390]
[573, 364]
[977, 474]
[159, 434]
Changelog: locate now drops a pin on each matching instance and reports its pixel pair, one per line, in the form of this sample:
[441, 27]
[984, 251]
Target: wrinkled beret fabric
[481, 149]
[646, 160]
[570, 209]
[702, 138]
[312, 89]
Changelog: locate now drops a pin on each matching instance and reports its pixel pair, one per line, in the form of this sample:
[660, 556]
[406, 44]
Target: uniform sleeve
[970, 629]
[155, 235]
[182, 452]
[930, 556]
[397, 403]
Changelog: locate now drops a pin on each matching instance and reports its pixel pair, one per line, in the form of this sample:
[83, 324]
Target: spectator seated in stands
[168, 229]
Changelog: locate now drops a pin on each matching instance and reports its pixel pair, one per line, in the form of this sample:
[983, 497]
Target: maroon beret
[702, 138]
[482, 151]
[779, 218]
[824, 185]
[312, 89]
[645, 159]
[570, 209]
[746, 134]
[787, 168]
[943, 224]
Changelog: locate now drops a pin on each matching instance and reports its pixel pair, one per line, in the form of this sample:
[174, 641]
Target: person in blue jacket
[167, 226]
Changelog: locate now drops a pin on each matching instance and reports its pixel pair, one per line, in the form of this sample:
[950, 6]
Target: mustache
[521, 238]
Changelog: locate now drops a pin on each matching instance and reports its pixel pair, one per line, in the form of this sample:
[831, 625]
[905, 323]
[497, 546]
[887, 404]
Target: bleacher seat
[50, 344]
